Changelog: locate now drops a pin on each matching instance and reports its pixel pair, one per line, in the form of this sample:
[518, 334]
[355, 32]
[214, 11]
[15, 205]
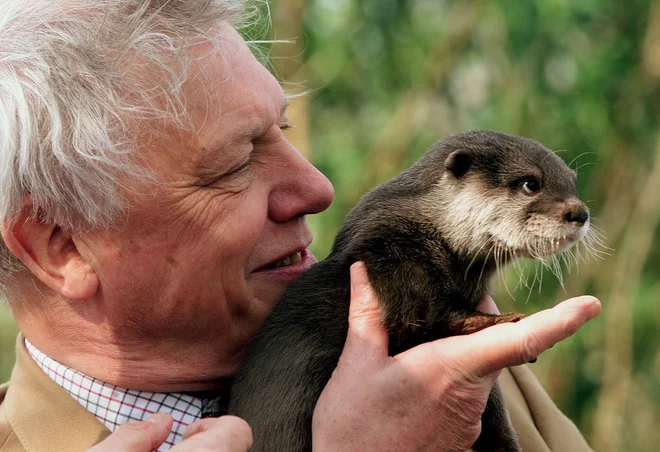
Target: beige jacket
[36, 415]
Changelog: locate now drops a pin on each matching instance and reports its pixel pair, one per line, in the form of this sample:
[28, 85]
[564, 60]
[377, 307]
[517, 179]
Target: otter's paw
[477, 322]
[509, 318]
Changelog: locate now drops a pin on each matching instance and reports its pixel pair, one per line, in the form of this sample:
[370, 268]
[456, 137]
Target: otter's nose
[577, 214]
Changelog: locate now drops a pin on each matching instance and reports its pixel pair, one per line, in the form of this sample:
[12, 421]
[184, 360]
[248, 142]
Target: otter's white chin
[555, 247]
[547, 246]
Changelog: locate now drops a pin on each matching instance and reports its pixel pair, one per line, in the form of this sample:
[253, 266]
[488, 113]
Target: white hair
[75, 76]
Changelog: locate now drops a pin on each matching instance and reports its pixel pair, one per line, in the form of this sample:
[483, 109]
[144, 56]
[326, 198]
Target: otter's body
[431, 240]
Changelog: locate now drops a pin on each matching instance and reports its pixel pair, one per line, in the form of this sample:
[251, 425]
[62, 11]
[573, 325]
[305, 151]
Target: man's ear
[51, 255]
[458, 163]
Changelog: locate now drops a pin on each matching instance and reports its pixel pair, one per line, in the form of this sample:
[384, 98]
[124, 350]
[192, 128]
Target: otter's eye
[531, 186]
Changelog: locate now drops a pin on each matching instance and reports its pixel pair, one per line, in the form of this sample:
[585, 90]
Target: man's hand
[430, 397]
[223, 434]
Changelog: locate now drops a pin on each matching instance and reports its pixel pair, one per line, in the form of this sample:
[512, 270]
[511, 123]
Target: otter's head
[503, 196]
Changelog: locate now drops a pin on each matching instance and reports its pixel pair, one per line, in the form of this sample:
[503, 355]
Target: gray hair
[73, 85]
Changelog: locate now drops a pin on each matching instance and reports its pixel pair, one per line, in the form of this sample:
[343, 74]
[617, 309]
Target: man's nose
[302, 189]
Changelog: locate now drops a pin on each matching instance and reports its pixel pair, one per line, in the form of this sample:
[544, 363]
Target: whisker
[583, 165]
[584, 153]
[484, 265]
[566, 260]
[473, 259]
[517, 265]
[531, 288]
[575, 259]
[587, 249]
[553, 152]
[506, 286]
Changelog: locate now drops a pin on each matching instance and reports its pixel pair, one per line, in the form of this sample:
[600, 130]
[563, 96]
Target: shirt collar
[114, 406]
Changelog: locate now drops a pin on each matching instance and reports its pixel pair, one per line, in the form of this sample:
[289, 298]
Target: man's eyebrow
[285, 105]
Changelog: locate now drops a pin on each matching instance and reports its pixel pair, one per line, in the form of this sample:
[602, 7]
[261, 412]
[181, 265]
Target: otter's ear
[458, 163]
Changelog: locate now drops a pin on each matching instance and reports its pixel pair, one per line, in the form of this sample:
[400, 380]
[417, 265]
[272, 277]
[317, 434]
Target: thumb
[144, 436]
[225, 433]
[513, 344]
[365, 316]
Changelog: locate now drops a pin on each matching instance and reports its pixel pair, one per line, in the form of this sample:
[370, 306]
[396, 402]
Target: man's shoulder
[4, 422]
[3, 391]
[37, 414]
[8, 440]
[538, 422]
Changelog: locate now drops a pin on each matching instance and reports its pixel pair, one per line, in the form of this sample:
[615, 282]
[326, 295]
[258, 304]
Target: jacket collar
[42, 415]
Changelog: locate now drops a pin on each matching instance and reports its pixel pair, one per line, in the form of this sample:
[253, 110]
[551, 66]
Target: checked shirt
[114, 406]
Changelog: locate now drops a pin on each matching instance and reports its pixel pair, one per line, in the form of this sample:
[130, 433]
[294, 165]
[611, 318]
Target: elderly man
[146, 190]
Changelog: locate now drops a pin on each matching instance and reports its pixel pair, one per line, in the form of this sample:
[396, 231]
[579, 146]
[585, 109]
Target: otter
[432, 240]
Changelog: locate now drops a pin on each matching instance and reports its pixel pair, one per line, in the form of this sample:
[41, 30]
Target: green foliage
[8, 333]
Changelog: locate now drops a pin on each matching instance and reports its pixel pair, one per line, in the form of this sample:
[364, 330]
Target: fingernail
[594, 307]
[358, 277]
[156, 418]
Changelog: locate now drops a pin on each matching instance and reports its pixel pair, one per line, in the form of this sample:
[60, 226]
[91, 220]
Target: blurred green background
[385, 79]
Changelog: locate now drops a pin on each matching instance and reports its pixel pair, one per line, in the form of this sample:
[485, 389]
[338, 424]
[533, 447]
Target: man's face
[192, 263]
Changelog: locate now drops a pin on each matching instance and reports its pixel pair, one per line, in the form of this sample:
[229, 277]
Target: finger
[226, 433]
[365, 318]
[512, 344]
[144, 436]
[487, 305]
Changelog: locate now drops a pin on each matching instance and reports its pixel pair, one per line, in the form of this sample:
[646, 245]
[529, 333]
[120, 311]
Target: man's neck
[143, 365]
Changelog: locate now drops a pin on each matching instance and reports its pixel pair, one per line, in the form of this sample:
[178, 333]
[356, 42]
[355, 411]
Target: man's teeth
[289, 260]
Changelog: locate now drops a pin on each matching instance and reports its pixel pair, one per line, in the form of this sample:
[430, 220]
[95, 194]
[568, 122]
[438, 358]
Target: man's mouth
[291, 259]
[290, 267]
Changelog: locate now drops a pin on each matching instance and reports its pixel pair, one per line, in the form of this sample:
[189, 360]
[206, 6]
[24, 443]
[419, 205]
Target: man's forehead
[231, 79]
[231, 71]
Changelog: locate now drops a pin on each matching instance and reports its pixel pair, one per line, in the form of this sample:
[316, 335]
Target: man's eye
[237, 169]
